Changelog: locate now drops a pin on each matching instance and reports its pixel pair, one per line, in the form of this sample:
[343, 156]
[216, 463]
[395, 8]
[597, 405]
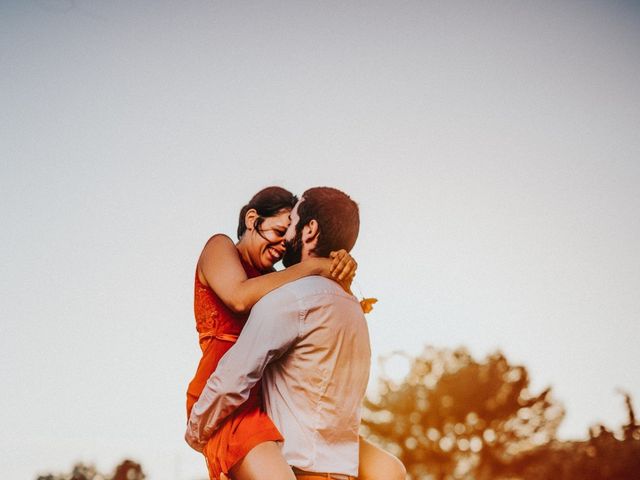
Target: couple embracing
[282, 400]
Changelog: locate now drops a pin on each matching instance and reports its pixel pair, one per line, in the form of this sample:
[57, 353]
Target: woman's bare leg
[377, 464]
[263, 462]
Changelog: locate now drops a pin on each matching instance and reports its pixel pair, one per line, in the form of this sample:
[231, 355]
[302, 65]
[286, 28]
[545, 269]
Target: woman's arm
[220, 268]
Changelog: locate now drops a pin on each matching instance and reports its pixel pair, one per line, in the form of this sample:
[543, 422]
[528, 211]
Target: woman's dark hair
[267, 202]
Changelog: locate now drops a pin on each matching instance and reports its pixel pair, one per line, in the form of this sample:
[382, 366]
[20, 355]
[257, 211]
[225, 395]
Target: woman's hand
[343, 265]
[343, 268]
[340, 267]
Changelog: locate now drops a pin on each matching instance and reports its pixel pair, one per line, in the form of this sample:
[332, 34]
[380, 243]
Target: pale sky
[494, 152]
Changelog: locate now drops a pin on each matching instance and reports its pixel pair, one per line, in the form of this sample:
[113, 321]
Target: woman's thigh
[377, 464]
[263, 462]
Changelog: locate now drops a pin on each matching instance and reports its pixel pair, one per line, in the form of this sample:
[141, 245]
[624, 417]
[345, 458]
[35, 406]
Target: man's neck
[307, 255]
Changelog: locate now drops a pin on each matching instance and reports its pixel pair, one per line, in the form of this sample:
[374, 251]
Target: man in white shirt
[309, 341]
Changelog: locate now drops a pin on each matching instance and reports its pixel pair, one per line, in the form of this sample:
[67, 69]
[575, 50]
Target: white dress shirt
[315, 339]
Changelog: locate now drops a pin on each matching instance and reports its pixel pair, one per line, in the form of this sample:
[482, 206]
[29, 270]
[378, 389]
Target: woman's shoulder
[219, 241]
[217, 245]
[219, 252]
[220, 238]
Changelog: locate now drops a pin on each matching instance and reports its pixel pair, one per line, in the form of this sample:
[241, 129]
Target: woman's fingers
[349, 270]
[333, 256]
[338, 261]
[343, 266]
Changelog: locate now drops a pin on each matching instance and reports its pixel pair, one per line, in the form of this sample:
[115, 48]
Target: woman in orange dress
[230, 278]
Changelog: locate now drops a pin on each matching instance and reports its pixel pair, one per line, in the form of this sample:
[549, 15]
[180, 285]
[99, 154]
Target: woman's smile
[274, 254]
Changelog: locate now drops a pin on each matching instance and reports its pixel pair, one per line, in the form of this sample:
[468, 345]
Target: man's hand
[193, 441]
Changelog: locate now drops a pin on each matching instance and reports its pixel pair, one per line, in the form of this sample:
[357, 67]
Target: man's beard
[293, 253]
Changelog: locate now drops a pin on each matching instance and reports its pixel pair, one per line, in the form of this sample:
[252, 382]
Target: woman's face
[266, 247]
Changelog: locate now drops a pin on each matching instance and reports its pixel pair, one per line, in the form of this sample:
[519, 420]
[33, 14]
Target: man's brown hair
[337, 215]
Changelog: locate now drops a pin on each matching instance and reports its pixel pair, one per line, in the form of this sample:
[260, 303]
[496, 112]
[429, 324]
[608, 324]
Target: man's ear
[310, 231]
[250, 218]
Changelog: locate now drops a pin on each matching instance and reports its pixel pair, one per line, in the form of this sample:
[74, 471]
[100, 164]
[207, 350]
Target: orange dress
[249, 425]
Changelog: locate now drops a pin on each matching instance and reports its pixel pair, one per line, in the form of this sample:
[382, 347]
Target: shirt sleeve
[272, 328]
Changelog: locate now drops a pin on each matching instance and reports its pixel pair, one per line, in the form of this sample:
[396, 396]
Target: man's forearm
[270, 330]
[218, 400]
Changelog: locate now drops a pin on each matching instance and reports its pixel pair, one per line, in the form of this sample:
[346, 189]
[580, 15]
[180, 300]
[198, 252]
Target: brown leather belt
[304, 475]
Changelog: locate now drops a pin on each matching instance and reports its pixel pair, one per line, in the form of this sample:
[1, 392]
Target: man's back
[314, 391]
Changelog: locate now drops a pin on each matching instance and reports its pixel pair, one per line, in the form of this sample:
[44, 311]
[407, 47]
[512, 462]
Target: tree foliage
[606, 455]
[452, 416]
[127, 470]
